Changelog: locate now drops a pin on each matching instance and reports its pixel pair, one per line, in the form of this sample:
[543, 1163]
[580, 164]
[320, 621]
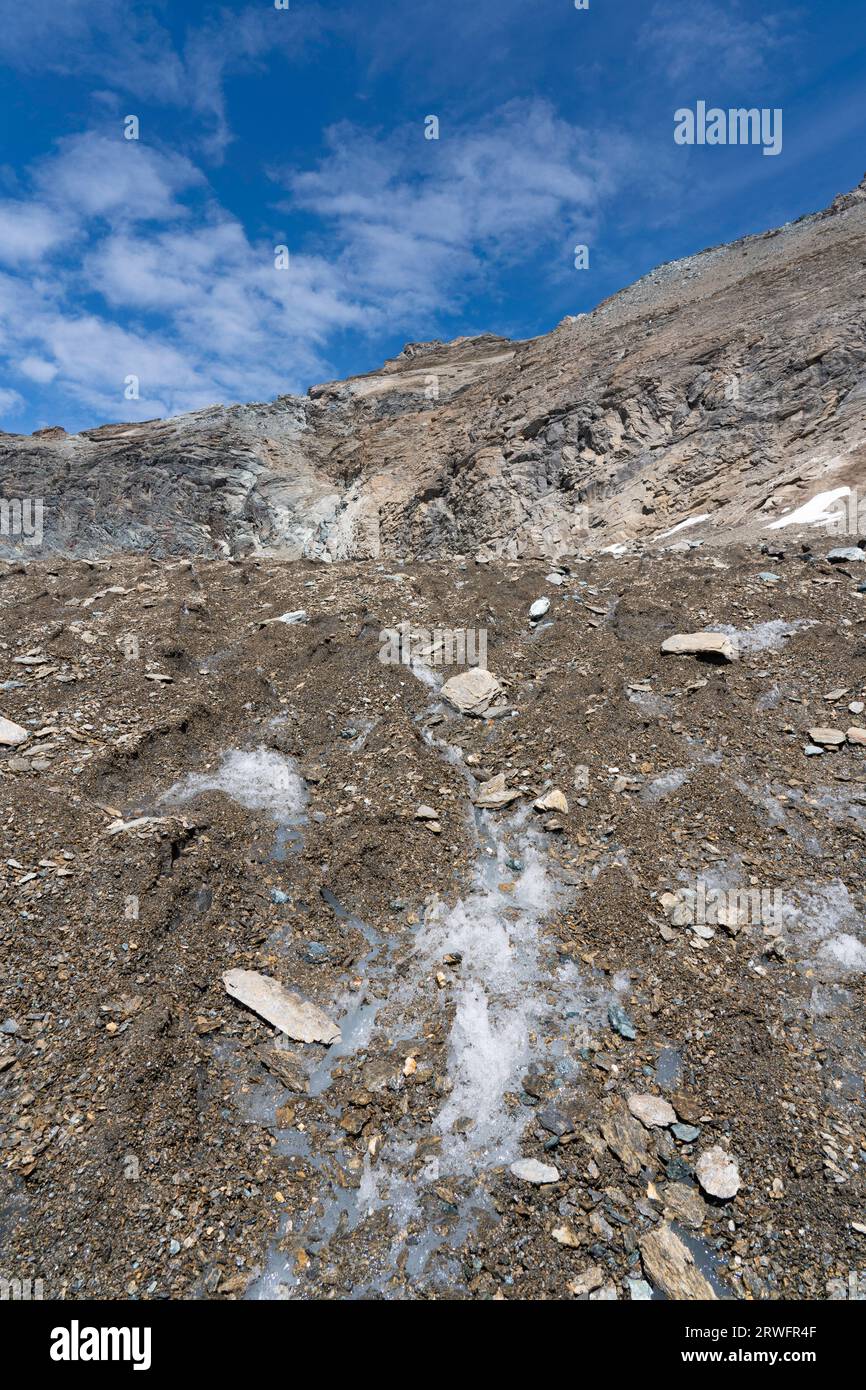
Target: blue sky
[305, 127]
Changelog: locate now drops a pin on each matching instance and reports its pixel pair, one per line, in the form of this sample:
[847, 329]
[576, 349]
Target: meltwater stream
[509, 1003]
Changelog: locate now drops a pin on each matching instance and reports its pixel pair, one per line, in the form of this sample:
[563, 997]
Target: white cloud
[160, 282]
[10, 402]
[420, 223]
[126, 180]
[27, 231]
[37, 369]
[124, 45]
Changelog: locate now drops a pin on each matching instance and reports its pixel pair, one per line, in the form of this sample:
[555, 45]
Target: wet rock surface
[686, 940]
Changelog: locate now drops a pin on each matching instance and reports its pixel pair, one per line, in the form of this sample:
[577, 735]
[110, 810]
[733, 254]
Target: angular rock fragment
[718, 1173]
[652, 1111]
[670, 1265]
[553, 800]
[495, 794]
[288, 1070]
[294, 1016]
[472, 691]
[628, 1139]
[685, 1204]
[12, 734]
[531, 1171]
[715, 646]
[827, 738]
[591, 1279]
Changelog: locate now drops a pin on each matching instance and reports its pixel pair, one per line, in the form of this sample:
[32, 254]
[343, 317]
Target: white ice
[259, 780]
[813, 513]
[682, 525]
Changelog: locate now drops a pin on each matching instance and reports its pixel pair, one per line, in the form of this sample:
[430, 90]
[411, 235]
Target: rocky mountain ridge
[727, 385]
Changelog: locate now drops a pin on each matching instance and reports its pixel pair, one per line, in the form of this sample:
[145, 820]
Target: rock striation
[723, 390]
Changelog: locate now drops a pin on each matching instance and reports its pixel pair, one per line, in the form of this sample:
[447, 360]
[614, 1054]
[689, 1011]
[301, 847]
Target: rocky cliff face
[728, 385]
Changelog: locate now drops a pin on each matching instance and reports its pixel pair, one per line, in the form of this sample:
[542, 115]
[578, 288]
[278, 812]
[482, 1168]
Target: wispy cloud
[419, 224]
[720, 39]
[139, 271]
[126, 48]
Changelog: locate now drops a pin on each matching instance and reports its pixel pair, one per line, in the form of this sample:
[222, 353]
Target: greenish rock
[315, 953]
[620, 1022]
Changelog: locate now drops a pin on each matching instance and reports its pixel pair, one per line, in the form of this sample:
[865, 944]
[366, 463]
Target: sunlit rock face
[723, 390]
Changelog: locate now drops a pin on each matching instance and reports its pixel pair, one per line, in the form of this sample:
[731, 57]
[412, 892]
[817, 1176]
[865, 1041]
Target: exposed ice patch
[500, 999]
[682, 525]
[664, 784]
[768, 636]
[828, 919]
[656, 706]
[259, 780]
[814, 512]
[423, 673]
[846, 952]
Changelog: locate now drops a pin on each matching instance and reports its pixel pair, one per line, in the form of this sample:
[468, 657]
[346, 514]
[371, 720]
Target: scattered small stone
[539, 608]
[718, 1173]
[857, 737]
[687, 1134]
[652, 1111]
[564, 1235]
[620, 1022]
[315, 953]
[531, 1171]
[553, 800]
[426, 813]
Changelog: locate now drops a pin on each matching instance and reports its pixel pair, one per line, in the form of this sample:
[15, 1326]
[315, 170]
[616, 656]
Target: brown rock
[670, 1266]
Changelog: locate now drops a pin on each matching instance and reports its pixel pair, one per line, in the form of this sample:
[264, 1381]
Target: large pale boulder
[11, 734]
[471, 691]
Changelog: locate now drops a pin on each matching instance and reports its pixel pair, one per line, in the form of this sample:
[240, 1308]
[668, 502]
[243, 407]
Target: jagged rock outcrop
[730, 383]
